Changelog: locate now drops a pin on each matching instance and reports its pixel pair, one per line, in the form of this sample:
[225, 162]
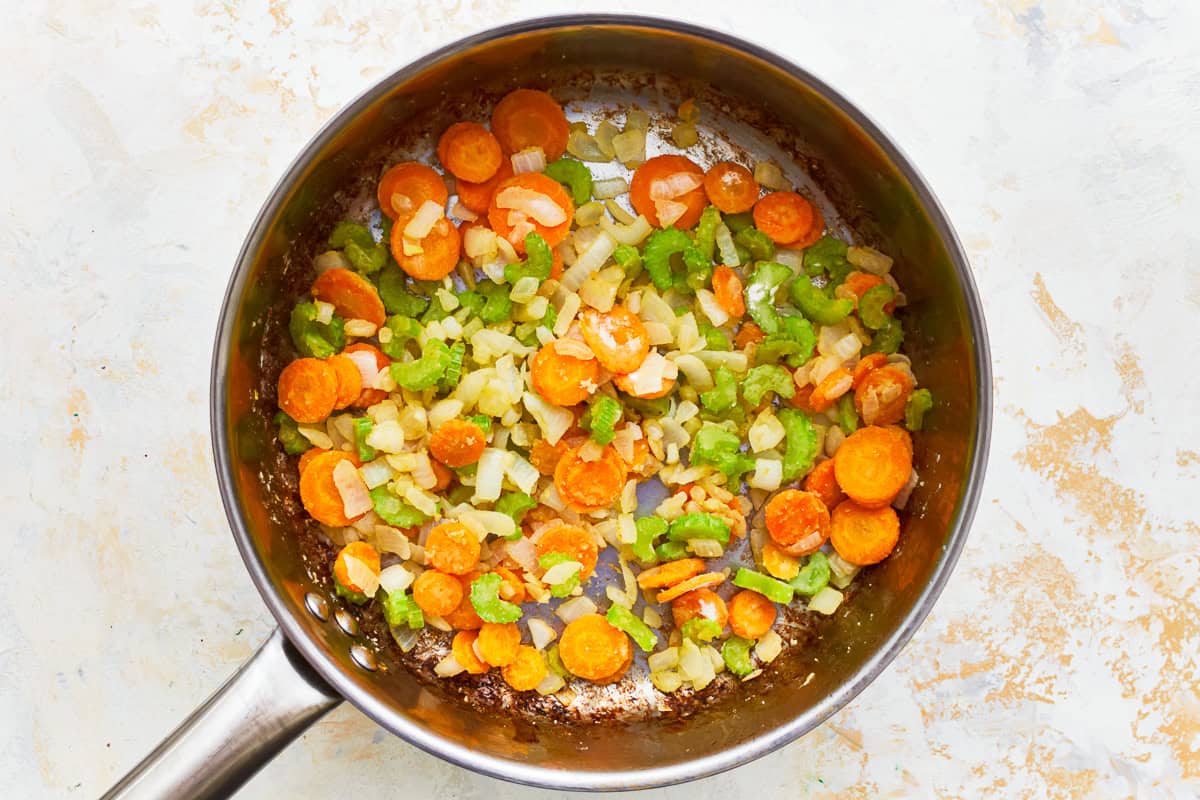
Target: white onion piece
[630, 146]
[480, 242]
[790, 258]
[448, 667]
[395, 579]
[825, 601]
[648, 378]
[663, 659]
[540, 632]
[728, 250]
[695, 371]
[462, 212]
[489, 476]
[423, 221]
[669, 211]
[390, 540]
[376, 473]
[575, 608]
[711, 308]
[553, 420]
[524, 553]
[901, 499]
[360, 575]
[406, 637]
[868, 259]
[317, 437]
[768, 474]
[531, 159]
[631, 234]
[609, 187]
[324, 311]
[769, 646]
[367, 367]
[356, 500]
[590, 260]
[533, 204]
[550, 684]
[331, 259]
[561, 573]
[768, 175]
[675, 185]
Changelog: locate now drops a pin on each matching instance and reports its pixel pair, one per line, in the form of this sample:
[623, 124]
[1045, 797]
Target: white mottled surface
[140, 139]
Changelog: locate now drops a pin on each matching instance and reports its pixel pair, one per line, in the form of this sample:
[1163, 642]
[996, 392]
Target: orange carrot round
[823, 484]
[864, 536]
[360, 551]
[797, 521]
[307, 390]
[831, 387]
[651, 190]
[406, 186]
[727, 287]
[801, 399]
[478, 196]
[469, 152]
[498, 643]
[443, 475]
[349, 380]
[439, 251]
[437, 593]
[463, 647]
[545, 456]
[457, 443]
[815, 231]
[747, 335]
[318, 492]
[593, 649]
[670, 573]
[590, 485]
[699, 604]
[867, 363]
[618, 673]
[882, 394]
[750, 614]
[306, 458]
[617, 337]
[783, 216]
[527, 670]
[512, 588]
[531, 118]
[626, 384]
[352, 295]
[453, 548]
[465, 618]
[369, 397]
[731, 187]
[859, 282]
[873, 464]
[573, 541]
[562, 379]
[514, 222]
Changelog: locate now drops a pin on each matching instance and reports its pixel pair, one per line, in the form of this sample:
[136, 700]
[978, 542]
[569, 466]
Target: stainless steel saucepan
[756, 105]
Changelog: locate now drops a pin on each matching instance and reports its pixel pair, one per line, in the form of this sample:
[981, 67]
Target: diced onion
[550, 684]
[561, 573]
[676, 184]
[705, 548]
[868, 259]
[618, 212]
[630, 146]
[531, 159]
[360, 328]
[534, 205]
[697, 374]
[553, 420]
[331, 259]
[695, 665]
[590, 260]
[826, 601]
[405, 637]
[375, 473]
[575, 608]
[523, 552]
[566, 314]
[462, 212]
[316, 436]
[575, 348]
[387, 436]
[599, 293]
[324, 311]
[524, 289]
[769, 176]
[769, 646]
[901, 499]
[423, 221]
[833, 440]
[630, 234]
[448, 667]
[540, 632]
[480, 242]
[355, 498]
[489, 476]
[768, 474]
[669, 211]
[609, 187]
[395, 579]
[583, 146]
[654, 370]
[790, 258]
[663, 659]
[711, 308]
[390, 540]
[727, 248]
[651, 617]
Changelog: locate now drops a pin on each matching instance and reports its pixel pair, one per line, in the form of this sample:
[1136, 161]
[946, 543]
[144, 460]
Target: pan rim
[683, 771]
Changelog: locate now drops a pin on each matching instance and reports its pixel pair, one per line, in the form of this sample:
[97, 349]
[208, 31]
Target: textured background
[1061, 137]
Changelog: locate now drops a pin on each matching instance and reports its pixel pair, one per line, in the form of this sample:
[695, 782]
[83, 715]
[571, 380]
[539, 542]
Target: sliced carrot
[306, 458]
[443, 475]
[406, 186]
[556, 264]
[593, 649]
[783, 216]
[731, 187]
[498, 643]
[831, 387]
[797, 521]
[882, 394]
[439, 251]
[823, 484]
[562, 379]
[750, 614]
[307, 390]
[457, 443]
[512, 588]
[465, 618]
[651, 185]
[617, 337]
[617, 674]
[670, 573]
[463, 647]
[352, 295]
[369, 397]
[452, 548]
[873, 464]
[779, 564]
[590, 485]
[864, 536]
[573, 541]
[859, 282]
[727, 287]
[699, 604]
[747, 335]
[526, 670]
[318, 492]
[437, 593]
[626, 383]
[514, 223]
[866, 364]
[349, 380]
[545, 456]
[531, 118]
[815, 231]
[801, 399]
[705, 580]
[360, 551]
[469, 152]
[478, 196]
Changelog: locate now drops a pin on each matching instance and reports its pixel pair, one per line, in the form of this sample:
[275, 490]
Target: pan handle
[267, 703]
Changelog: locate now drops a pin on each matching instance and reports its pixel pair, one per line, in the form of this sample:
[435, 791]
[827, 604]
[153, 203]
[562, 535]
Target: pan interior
[753, 110]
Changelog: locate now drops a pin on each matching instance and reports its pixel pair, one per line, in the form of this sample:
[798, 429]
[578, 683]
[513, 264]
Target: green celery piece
[657, 407]
[357, 598]
[394, 511]
[847, 414]
[497, 306]
[458, 351]
[656, 255]
[699, 526]
[404, 330]
[606, 413]
[813, 576]
[715, 339]
[648, 529]
[554, 661]
[671, 551]
[362, 429]
[800, 442]
[768, 587]
[760, 292]
[573, 175]
[706, 232]
[471, 300]
[888, 338]
[919, 402]
[485, 597]
[723, 395]
[767, 378]
[367, 260]
[289, 435]
[827, 256]
[700, 629]
[550, 317]
[400, 609]
[870, 306]
[515, 505]
[623, 619]
[346, 232]
[397, 299]
[483, 421]
[312, 338]
[427, 370]
[758, 243]
[538, 263]
[816, 305]
[739, 222]
[736, 654]
[717, 446]
[628, 258]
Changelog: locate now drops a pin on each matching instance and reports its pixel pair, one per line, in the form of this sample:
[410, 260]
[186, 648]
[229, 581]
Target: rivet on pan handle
[267, 703]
